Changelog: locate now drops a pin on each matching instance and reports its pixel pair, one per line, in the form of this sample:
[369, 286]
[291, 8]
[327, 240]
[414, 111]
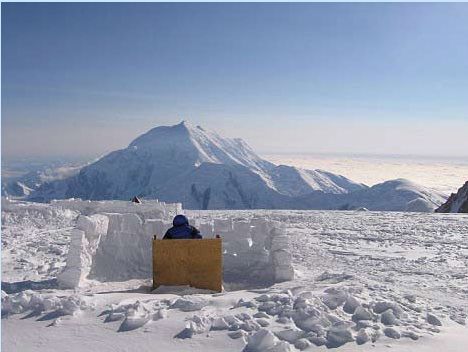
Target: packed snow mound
[156, 163]
[457, 202]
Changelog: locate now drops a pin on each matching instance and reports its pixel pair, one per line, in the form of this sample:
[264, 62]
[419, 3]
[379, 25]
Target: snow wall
[117, 247]
[148, 209]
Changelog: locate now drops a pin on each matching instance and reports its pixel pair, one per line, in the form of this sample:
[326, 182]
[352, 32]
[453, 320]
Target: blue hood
[180, 220]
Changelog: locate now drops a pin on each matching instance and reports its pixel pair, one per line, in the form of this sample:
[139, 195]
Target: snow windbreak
[181, 230]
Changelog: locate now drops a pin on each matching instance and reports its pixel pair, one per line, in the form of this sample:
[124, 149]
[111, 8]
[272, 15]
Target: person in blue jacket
[181, 230]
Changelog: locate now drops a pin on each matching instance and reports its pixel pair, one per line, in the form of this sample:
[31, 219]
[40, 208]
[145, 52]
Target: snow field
[362, 280]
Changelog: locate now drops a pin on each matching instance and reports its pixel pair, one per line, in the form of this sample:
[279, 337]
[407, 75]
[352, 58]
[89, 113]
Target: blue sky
[84, 79]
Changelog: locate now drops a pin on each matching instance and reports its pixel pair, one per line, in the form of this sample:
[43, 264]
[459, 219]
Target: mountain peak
[162, 134]
[187, 125]
[184, 124]
[194, 145]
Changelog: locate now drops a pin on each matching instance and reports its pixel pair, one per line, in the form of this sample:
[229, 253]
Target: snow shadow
[132, 323]
[140, 289]
[40, 315]
[52, 315]
[184, 334]
[19, 286]
[235, 283]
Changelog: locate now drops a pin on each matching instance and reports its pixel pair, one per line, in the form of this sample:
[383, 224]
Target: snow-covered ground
[363, 281]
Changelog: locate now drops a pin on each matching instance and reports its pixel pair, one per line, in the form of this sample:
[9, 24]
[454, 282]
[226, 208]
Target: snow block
[158, 228]
[125, 252]
[94, 227]
[84, 243]
[78, 261]
[283, 273]
[206, 230]
[242, 229]
[256, 251]
[222, 225]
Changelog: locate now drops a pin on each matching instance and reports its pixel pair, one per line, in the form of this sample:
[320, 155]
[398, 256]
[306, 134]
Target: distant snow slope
[393, 195]
[188, 164]
[293, 181]
[457, 202]
[396, 195]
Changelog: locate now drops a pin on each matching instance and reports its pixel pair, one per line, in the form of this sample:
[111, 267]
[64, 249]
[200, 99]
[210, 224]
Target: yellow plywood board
[198, 263]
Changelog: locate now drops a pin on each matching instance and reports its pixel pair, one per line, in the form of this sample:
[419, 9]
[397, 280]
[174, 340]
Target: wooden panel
[197, 263]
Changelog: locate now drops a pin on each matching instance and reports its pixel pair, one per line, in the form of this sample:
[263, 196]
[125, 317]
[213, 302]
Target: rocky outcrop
[457, 202]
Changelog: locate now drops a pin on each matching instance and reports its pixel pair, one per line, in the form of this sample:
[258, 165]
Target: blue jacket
[181, 230]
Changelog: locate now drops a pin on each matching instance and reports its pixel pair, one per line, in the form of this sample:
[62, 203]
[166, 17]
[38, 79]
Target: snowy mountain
[202, 170]
[457, 202]
[197, 167]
